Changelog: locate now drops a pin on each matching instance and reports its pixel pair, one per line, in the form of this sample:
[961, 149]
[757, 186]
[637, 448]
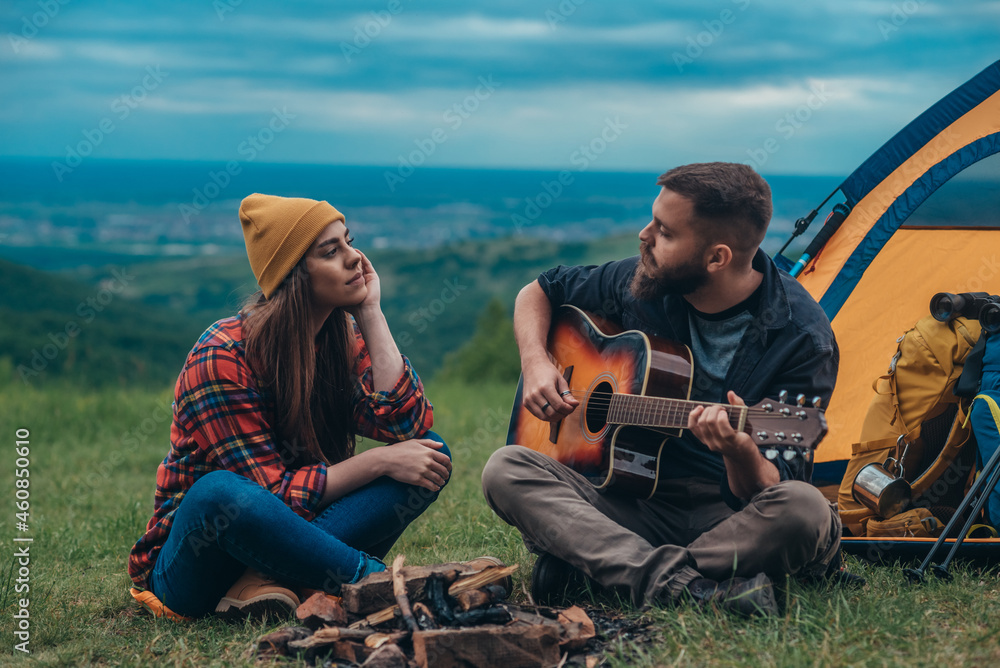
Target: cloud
[17, 50]
[745, 70]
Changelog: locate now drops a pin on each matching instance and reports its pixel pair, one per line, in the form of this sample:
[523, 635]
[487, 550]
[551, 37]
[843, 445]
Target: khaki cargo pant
[655, 547]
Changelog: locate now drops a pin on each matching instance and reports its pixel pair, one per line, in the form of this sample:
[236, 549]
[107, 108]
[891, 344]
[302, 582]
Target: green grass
[93, 460]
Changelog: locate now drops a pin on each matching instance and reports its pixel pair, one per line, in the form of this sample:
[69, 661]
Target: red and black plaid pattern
[222, 421]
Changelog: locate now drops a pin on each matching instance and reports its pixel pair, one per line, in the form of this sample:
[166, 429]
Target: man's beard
[682, 280]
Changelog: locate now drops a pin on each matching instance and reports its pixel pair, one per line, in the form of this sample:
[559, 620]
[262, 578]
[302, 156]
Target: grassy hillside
[137, 322]
[95, 334]
[93, 460]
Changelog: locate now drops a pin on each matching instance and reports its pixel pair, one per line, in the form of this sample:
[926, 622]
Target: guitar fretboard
[642, 411]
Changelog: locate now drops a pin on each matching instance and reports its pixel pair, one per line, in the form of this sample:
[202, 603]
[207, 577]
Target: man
[725, 519]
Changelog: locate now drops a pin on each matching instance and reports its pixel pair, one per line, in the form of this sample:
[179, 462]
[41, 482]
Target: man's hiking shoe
[553, 581]
[837, 574]
[847, 579]
[746, 597]
[256, 595]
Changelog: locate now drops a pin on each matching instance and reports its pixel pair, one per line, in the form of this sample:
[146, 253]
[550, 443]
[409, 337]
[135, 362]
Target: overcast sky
[793, 87]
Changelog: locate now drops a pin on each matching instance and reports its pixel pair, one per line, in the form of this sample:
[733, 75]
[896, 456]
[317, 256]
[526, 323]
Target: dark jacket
[788, 345]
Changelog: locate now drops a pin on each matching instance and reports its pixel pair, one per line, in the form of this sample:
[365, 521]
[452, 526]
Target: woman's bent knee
[222, 493]
[434, 436]
[214, 486]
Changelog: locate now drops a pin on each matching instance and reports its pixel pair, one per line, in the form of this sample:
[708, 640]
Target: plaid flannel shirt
[222, 421]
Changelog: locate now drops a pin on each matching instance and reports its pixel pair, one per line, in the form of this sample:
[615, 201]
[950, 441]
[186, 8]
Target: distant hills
[135, 323]
[89, 334]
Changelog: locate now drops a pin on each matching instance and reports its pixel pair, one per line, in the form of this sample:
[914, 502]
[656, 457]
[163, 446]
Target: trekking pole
[991, 471]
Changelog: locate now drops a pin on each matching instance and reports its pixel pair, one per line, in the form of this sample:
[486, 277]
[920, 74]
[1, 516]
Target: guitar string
[659, 414]
[601, 401]
[643, 396]
[676, 412]
[611, 395]
[672, 412]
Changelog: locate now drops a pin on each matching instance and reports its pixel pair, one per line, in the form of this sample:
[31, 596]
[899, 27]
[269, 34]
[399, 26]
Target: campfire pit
[441, 616]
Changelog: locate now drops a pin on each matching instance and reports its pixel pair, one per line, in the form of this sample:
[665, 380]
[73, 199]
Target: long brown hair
[310, 380]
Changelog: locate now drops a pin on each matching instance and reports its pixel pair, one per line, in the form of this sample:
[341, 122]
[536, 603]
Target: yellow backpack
[915, 400]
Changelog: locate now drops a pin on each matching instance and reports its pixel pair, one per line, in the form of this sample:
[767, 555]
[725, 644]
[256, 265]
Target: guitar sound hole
[597, 407]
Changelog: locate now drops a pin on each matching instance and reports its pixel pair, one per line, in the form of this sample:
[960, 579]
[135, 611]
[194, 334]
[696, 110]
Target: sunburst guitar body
[634, 392]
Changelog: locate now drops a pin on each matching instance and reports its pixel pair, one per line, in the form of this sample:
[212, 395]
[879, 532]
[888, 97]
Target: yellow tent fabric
[893, 294]
[981, 121]
[894, 272]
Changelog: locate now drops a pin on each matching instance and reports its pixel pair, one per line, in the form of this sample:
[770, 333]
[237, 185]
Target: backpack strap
[994, 409]
[892, 442]
[968, 383]
[872, 446]
[886, 385]
[958, 436]
[981, 527]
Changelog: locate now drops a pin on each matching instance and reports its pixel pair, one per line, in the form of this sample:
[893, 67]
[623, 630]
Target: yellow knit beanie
[278, 231]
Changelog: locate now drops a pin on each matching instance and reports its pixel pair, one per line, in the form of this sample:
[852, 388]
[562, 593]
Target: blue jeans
[227, 522]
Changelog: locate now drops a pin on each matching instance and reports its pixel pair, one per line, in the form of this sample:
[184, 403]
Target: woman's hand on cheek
[374, 294]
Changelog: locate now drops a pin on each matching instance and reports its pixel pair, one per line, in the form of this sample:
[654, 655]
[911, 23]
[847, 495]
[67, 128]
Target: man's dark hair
[730, 198]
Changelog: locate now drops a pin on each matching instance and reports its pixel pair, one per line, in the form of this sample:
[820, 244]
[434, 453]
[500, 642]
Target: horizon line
[502, 168]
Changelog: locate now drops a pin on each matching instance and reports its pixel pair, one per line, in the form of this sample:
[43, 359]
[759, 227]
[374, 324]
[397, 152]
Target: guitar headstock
[779, 428]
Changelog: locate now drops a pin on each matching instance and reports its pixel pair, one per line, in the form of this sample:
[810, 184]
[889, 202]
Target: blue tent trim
[783, 262]
[921, 130]
[904, 205]
[887, 551]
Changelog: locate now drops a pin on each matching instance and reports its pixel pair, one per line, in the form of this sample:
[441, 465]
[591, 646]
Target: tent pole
[803, 223]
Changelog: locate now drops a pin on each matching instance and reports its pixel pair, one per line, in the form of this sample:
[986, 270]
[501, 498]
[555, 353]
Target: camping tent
[876, 274]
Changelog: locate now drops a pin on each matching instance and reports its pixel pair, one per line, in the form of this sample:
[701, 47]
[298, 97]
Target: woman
[261, 480]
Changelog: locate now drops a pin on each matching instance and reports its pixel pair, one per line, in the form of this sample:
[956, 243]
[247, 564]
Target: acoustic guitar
[634, 392]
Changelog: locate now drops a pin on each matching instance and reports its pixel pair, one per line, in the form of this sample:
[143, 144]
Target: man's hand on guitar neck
[748, 471]
[545, 393]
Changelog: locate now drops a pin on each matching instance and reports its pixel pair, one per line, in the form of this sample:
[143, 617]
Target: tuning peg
[789, 455]
[783, 396]
[800, 400]
[817, 402]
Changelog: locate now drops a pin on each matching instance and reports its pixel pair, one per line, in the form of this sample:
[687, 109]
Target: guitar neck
[659, 412]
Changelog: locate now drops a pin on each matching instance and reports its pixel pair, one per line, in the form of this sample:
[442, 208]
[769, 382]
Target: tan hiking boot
[256, 595]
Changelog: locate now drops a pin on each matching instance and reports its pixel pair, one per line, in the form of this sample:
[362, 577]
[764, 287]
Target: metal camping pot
[880, 491]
